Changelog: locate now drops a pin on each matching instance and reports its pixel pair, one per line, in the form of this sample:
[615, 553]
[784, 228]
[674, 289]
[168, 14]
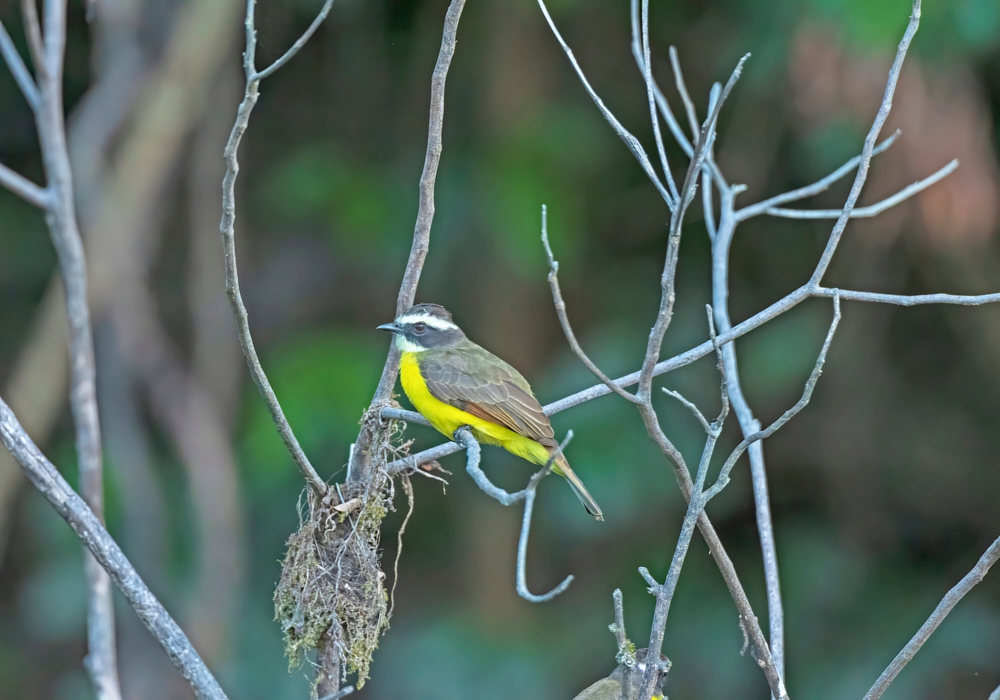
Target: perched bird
[453, 382]
[610, 688]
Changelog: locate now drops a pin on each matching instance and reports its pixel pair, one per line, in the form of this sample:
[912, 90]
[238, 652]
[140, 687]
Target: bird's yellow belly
[447, 419]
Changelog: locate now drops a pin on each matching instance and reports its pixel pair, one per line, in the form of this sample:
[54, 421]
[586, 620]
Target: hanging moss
[332, 585]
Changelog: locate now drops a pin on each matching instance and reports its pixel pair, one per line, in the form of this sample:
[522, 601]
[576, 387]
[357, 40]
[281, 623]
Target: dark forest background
[884, 490]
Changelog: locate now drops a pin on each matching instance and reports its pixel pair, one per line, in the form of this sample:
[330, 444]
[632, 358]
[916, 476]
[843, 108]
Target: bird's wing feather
[604, 689]
[473, 380]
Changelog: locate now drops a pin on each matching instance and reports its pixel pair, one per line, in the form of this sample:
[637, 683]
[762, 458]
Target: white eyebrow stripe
[432, 321]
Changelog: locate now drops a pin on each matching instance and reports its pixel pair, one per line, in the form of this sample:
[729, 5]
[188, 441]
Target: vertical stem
[61, 219]
[748, 425]
[359, 470]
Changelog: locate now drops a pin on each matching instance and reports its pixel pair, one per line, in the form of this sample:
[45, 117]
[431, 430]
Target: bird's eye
[419, 327]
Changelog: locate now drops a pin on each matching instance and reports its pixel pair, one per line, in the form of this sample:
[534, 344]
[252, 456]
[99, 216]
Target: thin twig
[814, 189]
[625, 655]
[950, 600]
[692, 113]
[522, 542]
[359, 469]
[473, 452]
[654, 117]
[227, 226]
[665, 313]
[33, 33]
[89, 529]
[807, 393]
[872, 209]
[630, 141]
[567, 327]
[19, 70]
[299, 43]
[689, 406]
[25, 188]
[866, 152]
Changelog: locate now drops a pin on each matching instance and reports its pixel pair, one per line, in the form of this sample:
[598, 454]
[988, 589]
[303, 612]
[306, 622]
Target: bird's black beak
[391, 327]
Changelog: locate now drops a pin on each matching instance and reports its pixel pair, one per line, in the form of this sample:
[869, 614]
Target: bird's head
[424, 327]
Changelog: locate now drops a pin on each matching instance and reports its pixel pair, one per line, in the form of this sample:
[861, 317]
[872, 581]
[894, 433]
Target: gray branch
[473, 452]
[57, 200]
[869, 147]
[91, 531]
[227, 226]
[872, 209]
[630, 141]
[950, 600]
[813, 189]
[359, 469]
[567, 327]
[19, 70]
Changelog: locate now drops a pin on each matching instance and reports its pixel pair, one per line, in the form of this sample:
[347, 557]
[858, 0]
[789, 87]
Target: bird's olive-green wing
[474, 380]
[604, 689]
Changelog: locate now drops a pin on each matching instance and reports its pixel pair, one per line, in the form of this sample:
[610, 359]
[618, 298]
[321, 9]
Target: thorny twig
[464, 437]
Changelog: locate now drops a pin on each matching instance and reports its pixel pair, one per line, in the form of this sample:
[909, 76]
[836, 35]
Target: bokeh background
[884, 490]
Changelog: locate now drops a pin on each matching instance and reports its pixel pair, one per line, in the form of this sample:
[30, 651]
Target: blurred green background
[884, 490]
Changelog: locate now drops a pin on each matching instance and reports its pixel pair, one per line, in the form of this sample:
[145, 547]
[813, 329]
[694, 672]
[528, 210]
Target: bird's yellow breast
[447, 419]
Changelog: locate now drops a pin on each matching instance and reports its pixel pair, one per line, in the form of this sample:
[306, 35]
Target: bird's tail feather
[561, 467]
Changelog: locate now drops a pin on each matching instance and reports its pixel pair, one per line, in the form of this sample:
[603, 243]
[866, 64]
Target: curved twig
[227, 226]
[464, 437]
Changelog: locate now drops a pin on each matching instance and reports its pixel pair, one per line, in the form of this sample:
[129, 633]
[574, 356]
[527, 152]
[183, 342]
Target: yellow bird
[453, 382]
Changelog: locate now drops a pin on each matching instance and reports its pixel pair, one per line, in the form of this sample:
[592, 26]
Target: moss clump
[332, 587]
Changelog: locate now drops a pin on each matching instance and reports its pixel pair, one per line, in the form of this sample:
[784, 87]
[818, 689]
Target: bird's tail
[561, 467]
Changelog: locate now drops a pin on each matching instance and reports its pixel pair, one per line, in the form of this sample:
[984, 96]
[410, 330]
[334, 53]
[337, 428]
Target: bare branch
[408, 416]
[62, 223]
[690, 406]
[950, 600]
[299, 43]
[909, 300]
[473, 451]
[227, 226]
[664, 593]
[359, 469]
[650, 95]
[17, 68]
[567, 327]
[625, 655]
[813, 189]
[692, 113]
[88, 527]
[25, 188]
[631, 141]
[33, 33]
[866, 152]
[665, 312]
[807, 392]
[872, 209]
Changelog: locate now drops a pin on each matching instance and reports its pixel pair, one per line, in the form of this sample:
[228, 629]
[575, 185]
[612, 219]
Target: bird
[610, 688]
[454, 383]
